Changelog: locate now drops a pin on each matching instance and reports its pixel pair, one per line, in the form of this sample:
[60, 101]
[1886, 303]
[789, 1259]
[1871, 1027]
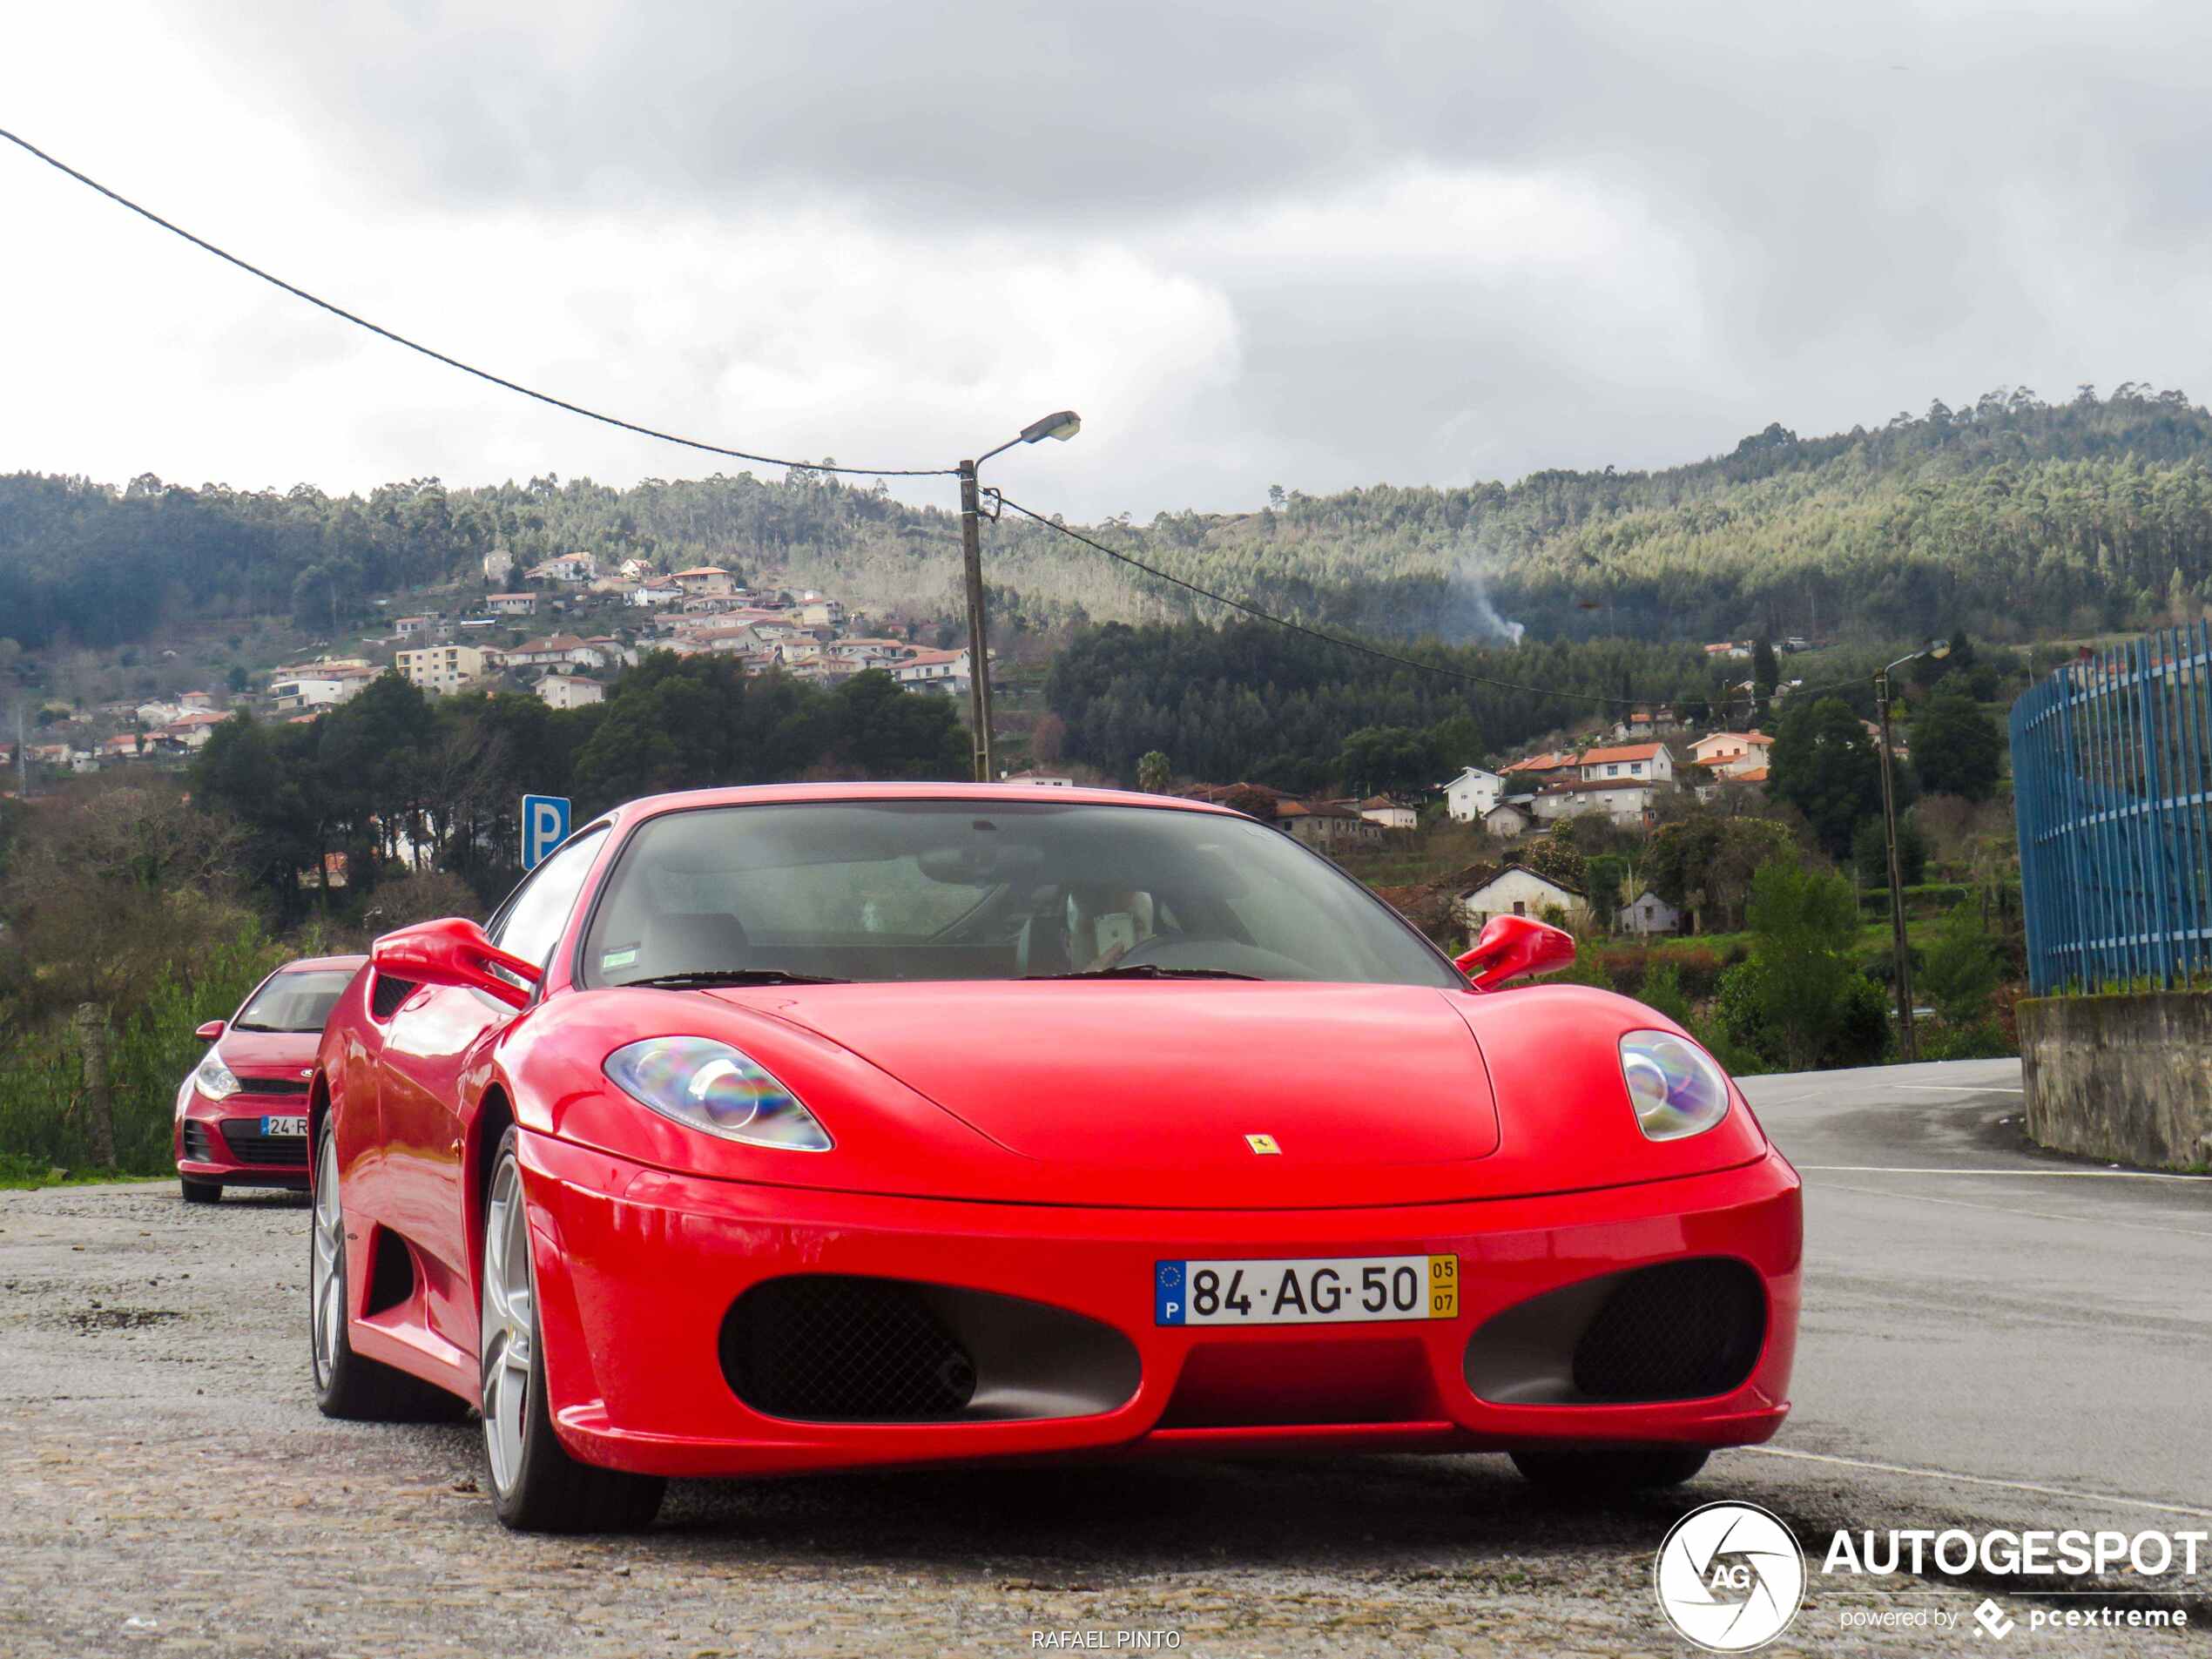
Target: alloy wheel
[508, 1326]
[326, 1279]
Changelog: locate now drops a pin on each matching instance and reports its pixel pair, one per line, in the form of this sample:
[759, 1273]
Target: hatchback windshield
[953, 890]
[300, 1001]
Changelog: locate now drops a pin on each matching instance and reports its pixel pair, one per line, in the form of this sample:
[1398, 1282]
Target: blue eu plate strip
[1169, 1282]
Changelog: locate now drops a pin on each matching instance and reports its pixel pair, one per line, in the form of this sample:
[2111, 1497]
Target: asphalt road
[1976, 1306]
[2026, 1346]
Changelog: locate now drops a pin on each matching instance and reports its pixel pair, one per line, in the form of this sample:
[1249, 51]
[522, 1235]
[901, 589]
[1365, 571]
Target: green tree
[1703, 863]
[1386, 760]
[1961, 971]
[1804, 923]
[1766, 673]
[1956, 748]
[1154, 772]
[1605, 873]
[1826, 765]
[1869, 853]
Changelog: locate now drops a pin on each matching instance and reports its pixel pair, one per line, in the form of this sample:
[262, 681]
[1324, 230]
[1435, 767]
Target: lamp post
[1063, 424]
[1908, 1047]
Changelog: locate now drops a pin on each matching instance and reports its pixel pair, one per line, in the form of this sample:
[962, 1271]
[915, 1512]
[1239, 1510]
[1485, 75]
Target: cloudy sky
[1253, 241]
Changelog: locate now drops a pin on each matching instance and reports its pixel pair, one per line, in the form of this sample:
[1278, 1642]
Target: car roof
[1002, 793]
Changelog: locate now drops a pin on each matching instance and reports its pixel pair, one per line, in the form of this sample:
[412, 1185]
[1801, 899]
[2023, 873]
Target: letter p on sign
[545, 826]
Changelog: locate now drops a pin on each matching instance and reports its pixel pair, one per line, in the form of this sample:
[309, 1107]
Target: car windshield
[962, 890]
[298, 1000]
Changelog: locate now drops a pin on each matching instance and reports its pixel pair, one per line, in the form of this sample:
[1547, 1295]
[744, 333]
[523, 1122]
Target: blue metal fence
[2111, 764]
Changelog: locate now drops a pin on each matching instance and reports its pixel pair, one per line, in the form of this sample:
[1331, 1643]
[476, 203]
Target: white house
[556, 651]
[511, 604]
[499, 564]
[1509, 818]
[1726, 753]
[821, 613]
[1516, 892]
[1648, 761]
[1649, 914]
[407, 627]
[1473, 792]
[565, 567]
[571, 690]
[1626, 800]
[933, 671]
[1391, 814]
[655, 593]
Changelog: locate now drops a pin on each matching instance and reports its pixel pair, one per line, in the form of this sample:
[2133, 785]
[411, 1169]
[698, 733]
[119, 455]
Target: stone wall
[2126, 1078]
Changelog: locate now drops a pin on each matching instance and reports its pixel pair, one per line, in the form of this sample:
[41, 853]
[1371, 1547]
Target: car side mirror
[453, 952]
[212, 1031]
[1513, 947]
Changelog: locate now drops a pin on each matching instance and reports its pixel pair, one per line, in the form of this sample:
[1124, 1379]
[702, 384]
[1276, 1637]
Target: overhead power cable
[454, 362]
[1361, 646]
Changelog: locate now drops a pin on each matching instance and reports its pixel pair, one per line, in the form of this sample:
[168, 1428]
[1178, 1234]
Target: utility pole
[979, 647]
[1907, 1046]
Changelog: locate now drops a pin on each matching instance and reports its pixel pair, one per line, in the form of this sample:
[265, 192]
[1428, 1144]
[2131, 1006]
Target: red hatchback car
[241, 1114]
[778, 1130]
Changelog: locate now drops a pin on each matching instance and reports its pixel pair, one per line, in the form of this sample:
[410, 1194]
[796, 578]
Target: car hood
[264, 1054]
[1141, 1094]
[1135, 1073]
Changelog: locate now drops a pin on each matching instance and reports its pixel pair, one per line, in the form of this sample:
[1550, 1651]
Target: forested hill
[2008, 517]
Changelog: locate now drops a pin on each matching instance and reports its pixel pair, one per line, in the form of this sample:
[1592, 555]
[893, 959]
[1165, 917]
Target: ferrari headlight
[1675, 1090]
[214, 1079]
[710, 1086]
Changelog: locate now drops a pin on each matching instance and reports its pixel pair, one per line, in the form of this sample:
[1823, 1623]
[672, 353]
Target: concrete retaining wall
[2126, 1078]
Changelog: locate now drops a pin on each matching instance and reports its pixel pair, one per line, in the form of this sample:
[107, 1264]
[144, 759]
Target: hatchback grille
[1679, 1331]
[273, 1085]
[827, 1348]
[249, 1145]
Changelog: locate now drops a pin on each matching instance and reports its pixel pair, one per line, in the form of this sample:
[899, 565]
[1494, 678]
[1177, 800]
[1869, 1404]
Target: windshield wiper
[1147, 970]
[694, 977]
[248, 1025]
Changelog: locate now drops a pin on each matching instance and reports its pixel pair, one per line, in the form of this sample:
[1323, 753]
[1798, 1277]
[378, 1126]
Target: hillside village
[597, 623]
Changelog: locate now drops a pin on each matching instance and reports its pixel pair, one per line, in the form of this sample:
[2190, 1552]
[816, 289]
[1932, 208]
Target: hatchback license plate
[1338, 1290]
[284, 1126]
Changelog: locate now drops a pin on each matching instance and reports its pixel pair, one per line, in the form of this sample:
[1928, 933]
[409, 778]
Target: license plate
[284, 1126]
[1340, 1290]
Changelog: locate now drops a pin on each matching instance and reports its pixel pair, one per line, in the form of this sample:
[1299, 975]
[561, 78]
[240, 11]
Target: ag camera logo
[1729, 1577]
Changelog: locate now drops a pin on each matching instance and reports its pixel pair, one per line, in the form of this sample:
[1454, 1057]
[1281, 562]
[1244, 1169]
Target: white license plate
[284, 1126]
[1337, 1289]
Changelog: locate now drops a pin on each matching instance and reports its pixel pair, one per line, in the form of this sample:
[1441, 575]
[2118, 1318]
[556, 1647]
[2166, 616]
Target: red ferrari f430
[804, 1128]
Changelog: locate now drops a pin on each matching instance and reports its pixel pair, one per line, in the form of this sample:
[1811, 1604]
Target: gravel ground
[170, 1487]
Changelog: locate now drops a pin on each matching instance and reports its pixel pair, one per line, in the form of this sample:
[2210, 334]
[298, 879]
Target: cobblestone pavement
[171, 1488]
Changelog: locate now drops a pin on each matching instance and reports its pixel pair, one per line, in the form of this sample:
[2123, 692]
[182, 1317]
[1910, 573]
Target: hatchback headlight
[214, 1079]
[1675, 1089]
[710, 1086]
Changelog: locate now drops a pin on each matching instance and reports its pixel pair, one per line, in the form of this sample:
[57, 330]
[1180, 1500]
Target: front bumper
[219, 1141]
[637, 1268]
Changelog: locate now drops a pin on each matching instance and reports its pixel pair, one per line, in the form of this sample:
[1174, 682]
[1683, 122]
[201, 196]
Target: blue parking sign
[545, 826]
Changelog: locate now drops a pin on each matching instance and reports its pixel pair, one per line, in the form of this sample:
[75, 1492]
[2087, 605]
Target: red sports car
[766, 1130]
[242, 1113]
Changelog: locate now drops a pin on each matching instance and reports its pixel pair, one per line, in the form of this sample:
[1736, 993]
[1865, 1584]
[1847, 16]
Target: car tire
[535, 1485]
[1610, 1472]
[200, 1191]
[348, 1386]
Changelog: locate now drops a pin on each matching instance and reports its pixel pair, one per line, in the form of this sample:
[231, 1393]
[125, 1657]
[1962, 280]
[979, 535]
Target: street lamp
[1908, 1047]
[1063, 424]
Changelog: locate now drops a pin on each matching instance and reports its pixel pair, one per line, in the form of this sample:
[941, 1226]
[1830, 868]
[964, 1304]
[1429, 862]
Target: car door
[437, 1037]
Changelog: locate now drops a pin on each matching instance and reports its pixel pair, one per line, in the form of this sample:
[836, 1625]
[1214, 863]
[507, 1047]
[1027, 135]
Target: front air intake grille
[249, 1145]
[273, 1085]
[1679, 1331]
[830, 1349]
[200, 1147]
